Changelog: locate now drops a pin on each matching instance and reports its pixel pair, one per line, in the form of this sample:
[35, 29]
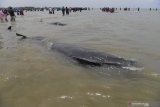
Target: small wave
[133, 68]
[98, 94]
[65, 97]
[155, 75]
[49, 45]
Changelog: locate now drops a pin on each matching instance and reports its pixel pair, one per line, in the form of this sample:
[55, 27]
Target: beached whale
[88, 56]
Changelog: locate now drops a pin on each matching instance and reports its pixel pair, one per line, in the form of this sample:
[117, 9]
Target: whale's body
[92, 57]
[88, 56]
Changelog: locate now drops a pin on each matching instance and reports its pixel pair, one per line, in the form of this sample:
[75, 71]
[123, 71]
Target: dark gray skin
[58, 24]
[91, 57]
[87, 56]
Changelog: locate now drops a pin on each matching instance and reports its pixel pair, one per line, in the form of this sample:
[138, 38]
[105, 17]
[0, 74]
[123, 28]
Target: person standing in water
[12, 15]
[53, 10]
[1, 15]
[5, 14]
[50, 10]
[67, 11]
[63, 11]
[150, 9]
[21, 12]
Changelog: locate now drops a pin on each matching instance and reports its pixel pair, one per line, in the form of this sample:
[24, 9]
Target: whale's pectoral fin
[87, 62]
[23, 36]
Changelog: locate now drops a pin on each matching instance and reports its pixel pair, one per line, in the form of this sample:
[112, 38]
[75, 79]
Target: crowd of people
[66, 10]
[5, 12]
[112, 10]
[20, 11]
[107, 9]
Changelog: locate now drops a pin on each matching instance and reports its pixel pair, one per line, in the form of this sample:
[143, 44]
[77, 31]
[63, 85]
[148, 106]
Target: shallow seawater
[32, 75]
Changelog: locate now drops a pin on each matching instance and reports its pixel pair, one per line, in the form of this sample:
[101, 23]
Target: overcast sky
[88, 3]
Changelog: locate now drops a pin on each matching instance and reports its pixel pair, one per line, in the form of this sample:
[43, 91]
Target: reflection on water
[31, 75]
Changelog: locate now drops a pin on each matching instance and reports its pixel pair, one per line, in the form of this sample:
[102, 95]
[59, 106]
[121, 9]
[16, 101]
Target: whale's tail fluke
[23, 36]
